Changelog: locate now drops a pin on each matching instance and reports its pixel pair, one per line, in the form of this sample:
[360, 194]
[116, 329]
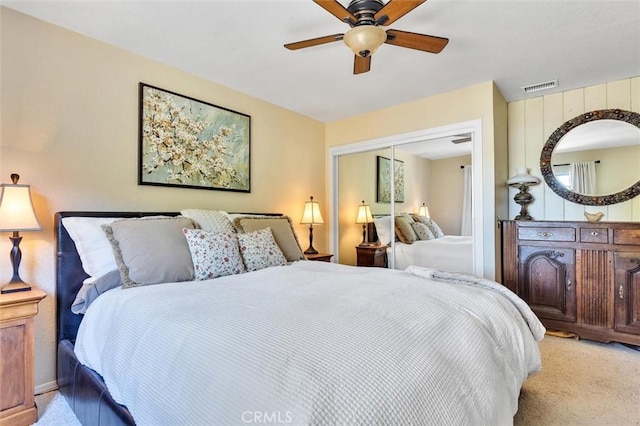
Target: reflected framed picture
[383, 180]
[189, 143]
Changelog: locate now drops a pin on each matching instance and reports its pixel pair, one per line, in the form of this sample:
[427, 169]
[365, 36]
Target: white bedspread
[451, 253]
[311, 343]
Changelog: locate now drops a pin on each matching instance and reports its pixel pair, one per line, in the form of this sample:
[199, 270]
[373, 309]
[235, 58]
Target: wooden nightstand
[17, 381]
[372, 255]
[322, 257]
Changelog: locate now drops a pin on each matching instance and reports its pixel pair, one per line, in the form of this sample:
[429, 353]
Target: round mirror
[594, 158]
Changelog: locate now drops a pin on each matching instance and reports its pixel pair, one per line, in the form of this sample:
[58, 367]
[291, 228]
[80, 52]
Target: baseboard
[46, 387]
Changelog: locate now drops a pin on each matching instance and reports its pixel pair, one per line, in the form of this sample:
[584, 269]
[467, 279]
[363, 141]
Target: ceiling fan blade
[361, 65]
[313, 42]
[396, 9]
[337, 10]
[426, 43]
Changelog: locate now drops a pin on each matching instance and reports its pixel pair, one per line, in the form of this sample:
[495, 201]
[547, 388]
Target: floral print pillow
[259, 250]
[422, 231]
[213, 254]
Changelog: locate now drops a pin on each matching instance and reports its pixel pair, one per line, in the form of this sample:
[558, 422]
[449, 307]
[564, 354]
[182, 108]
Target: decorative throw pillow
[90, 291]
[92, 244]
[213, 254]
[383, 229]
[151, 250]
[282, 230]
[259, 250]
[209, 220]
[431, 224]
[422, 231]
[404, 230]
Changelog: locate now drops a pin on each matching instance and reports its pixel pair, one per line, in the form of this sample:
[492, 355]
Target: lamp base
[15, 287]
[311, 250]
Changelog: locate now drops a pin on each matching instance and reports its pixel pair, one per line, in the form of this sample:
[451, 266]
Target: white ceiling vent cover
[540, 86]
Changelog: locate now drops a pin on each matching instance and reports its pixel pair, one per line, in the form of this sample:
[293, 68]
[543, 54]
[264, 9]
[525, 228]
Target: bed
[302, 343]
[452, 253]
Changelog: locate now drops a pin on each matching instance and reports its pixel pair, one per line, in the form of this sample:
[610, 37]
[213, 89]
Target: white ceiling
[239, 44]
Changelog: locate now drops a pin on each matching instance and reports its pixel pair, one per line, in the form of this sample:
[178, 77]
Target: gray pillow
[282, 230]
[90, 292]
[151, 250]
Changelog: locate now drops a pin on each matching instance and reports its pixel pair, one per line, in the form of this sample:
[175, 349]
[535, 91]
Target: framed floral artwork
[188, 143]
[383, 180]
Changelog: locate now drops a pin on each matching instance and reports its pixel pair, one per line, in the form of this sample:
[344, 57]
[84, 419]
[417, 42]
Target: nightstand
[372, 255]
[321, 257]
[17, 380]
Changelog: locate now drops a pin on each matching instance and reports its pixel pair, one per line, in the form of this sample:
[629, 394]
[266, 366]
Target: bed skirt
[86, 392]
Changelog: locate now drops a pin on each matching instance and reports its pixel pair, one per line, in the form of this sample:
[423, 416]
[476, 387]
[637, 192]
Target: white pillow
[210, 220]
[384, 229]
[259, 250]
[214, 254]
[92, 244]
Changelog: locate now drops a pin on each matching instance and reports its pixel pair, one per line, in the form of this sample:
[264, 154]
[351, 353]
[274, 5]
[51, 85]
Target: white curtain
[467, 226]
[583, 177]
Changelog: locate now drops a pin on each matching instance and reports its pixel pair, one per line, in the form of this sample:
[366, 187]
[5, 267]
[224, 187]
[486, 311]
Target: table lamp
[523, 180]
[16, 214]
[311, 216]
[364, 217]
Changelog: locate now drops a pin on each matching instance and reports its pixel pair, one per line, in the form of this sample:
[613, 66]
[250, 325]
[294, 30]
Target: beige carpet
[582, 383]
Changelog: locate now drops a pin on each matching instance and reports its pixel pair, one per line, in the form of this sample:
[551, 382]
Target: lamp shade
[16, 209]
[522, 177]
[311, 214]
[364, 40]
[364, 214]
[423, 211]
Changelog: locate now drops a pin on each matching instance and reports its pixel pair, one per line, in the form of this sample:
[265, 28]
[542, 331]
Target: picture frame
[383, 180]
[189, 143]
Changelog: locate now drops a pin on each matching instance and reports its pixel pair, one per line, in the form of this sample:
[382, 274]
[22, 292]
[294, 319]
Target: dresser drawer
[546, 234]
[594, 235]
[626, 236]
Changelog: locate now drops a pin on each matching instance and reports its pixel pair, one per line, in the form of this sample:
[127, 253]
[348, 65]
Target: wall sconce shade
[423, 211]
[364, 217]
[523, 180]
[311, 216]
[364, 40]
[16, 214]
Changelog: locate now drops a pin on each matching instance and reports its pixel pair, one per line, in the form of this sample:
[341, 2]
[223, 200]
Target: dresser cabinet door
[627, 292]
[547, 281]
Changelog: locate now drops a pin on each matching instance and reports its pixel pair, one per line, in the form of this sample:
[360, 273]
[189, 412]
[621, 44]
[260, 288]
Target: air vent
[540, 86]
[461, 138]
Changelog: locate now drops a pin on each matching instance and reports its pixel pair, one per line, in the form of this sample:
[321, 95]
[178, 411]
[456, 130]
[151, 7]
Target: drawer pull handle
[569, 283]
[621, 291]
[545, 234]
[594, 233]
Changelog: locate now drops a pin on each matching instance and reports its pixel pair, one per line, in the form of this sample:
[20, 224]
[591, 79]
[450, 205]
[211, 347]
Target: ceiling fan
[365, 17]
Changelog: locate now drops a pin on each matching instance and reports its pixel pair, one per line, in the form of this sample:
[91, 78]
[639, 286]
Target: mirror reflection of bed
[433, 174]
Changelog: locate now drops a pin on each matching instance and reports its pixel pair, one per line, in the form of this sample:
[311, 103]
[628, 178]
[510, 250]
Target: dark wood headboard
[69, 271]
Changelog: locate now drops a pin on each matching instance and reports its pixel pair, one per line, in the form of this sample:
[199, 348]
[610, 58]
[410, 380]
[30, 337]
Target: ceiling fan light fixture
[364, 40]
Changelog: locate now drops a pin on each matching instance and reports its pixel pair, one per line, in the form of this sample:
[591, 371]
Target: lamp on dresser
[16, 214]
[523, 180]
[311, 216]
[364, 217]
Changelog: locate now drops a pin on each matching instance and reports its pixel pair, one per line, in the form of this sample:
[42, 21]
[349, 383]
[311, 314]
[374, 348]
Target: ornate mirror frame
[545, 158]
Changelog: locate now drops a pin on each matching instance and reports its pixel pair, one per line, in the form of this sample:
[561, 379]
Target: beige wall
[480, 102]
[532, 121]
[69, 127]
[447, 187]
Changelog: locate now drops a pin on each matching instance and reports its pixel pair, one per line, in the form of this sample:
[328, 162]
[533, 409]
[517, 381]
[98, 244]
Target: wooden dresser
[579, 277]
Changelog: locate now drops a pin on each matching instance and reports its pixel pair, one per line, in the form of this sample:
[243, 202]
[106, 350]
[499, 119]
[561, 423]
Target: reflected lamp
[523, 180]
[364, 217]
[423, 211]
[16, 214]
[311, 216]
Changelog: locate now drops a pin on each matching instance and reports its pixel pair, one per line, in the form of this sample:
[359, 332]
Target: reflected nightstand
[372, 255]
